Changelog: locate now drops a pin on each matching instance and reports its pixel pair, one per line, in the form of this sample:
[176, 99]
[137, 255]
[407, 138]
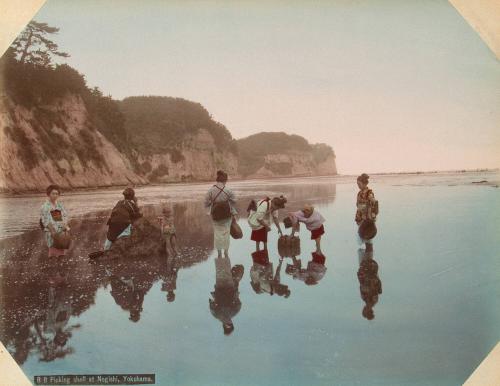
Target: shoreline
[76, 190]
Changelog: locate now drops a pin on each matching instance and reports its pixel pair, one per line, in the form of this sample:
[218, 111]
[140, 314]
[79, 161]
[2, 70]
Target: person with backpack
[221, 202]
[225, 302]
[122, 216]
[366, 211]
[54, 221]
[260, 215]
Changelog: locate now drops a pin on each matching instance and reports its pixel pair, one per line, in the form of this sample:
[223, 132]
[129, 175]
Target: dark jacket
[123, 214]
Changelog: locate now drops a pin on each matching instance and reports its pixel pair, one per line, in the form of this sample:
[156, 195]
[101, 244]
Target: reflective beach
[430, 288]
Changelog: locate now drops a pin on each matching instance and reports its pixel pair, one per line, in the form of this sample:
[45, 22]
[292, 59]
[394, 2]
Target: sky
[390, 85]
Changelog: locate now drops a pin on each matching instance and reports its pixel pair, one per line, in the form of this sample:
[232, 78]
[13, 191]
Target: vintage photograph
[250, 193]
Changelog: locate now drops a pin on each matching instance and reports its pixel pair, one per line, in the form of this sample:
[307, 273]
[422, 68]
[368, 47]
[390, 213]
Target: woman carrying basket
[366, 212]
[54, 222]
[221, 202]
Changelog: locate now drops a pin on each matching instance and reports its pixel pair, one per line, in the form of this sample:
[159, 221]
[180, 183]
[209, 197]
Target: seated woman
[313, 221]
[122, 216]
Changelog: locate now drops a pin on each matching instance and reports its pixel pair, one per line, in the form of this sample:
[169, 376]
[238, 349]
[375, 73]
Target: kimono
[221, 228]
[370, 285]
[225, 303]
[364, 201]
[261, 213]
[167, 225]
[56, 216]
[314, 223]
[120, 221]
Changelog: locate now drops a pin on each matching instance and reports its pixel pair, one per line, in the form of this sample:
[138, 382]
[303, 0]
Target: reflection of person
[313, 221]
[129, 285]
[53, 219]
[168, 273]
[168, 232]
[370, 286]
[311, 275]
[366, 205]
[51, 328]
[262, 278]
[225, 302]
[260, 216]
[221, 201]
[122, 216]
[128, 296]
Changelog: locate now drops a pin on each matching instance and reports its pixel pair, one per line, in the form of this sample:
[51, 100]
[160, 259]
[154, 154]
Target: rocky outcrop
[296, 164]
[327, 167]
[57, 144]
[196, 158]
[277, 154]
[164, 140]
[54, 128]
[140, 244]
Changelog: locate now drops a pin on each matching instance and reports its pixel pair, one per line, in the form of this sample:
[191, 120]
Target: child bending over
[313, 221]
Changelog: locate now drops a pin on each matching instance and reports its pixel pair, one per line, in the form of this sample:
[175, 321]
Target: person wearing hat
[260, 215]
[313, 221]
[366, 211]
[122, 216]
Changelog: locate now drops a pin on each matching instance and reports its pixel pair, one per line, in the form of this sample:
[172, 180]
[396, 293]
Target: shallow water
[435, 320]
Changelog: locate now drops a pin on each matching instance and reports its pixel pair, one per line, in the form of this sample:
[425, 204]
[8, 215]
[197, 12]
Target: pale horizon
[390, 86]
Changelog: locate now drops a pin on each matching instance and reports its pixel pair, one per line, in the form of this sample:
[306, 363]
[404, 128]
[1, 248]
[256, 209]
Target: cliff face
[327, 167]
[196, 158]
[57, 144]
[55, 129]
[296, 164]
[281, 155]
[176, 140]
[163, 140]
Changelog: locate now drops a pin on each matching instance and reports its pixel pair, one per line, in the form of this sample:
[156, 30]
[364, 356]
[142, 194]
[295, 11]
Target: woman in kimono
[370, 285]
[53, 219]
[260, 216]
[366, 206]
[221, 202]
[225, 302]
[122, 216]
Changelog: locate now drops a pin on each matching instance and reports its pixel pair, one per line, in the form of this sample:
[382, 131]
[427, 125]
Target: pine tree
[33, 45]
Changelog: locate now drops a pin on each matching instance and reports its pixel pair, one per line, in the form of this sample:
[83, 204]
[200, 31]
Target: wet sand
[436, 317]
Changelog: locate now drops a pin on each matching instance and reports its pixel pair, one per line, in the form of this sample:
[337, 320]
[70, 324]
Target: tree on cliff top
[33, 45]
[254, 148]
[157, 124]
